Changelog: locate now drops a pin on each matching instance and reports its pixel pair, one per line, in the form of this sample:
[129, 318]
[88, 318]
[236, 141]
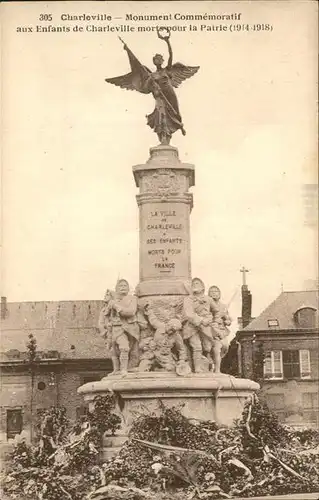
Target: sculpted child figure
[198, 312]
[220, 324]
[118, 323]
[157, 351]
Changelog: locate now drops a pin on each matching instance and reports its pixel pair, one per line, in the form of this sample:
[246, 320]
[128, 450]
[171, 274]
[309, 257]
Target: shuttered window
[310, 406]
[273, 365]
[288, 364]
[304, 359]
[291, 364]
[277, 364]
[267, 365]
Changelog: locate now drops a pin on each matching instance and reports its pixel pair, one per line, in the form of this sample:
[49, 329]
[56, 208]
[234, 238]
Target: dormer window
[305, 317]
[273, 323]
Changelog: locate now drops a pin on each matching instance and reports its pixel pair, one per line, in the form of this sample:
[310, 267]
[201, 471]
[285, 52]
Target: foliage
[64, 463]
[167, 457]
[134, 461]
[32, 356]
[31, 348]
[259, 427]
[173, 428]
[168, 452]
[103, 419]
[52, 429]
[308, 437]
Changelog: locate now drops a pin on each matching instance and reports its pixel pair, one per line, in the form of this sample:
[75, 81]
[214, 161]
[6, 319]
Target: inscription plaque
[164, 241]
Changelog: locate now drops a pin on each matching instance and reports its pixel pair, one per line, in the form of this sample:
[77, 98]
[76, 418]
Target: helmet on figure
[197, 285]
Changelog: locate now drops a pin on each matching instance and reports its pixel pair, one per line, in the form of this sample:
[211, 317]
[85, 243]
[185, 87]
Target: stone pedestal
[204, 396]
[164, 208]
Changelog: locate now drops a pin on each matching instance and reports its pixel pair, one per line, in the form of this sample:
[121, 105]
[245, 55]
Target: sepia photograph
[159, 250]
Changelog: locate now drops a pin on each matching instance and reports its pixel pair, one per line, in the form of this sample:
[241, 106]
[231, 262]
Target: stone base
[158, 287]
[202, 396]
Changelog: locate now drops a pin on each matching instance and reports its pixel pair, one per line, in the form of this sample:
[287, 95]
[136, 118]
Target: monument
[167, 339]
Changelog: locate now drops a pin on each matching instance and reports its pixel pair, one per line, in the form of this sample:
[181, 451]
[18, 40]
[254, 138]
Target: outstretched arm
[170, 53]
[164, 34]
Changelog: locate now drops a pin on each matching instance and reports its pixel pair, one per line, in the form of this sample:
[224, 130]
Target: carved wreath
[163, 181]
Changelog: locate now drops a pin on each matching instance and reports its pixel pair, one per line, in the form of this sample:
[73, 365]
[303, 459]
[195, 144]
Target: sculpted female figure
[166, 118]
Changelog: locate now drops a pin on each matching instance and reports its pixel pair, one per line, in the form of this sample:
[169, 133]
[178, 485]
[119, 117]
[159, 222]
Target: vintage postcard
[159, 239]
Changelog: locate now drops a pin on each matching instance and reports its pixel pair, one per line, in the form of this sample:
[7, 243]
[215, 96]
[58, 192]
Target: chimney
[245, 301]
[3, 307]
[245, 305]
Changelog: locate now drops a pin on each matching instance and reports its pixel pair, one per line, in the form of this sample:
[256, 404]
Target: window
[14, 423]
[306, 317]
[304, 359]
[291, 365]
[310, 405]
[288, 364]
[273, 365]
[273, 323]
[310, 400]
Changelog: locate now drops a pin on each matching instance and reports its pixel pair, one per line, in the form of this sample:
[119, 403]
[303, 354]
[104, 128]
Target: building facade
[69, 353]
[280, 349]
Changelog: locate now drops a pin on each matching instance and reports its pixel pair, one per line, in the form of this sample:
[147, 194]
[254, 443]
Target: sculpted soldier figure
[157, 351]
[118, 323]
[198, 316]
[221, 320]
[166, 118]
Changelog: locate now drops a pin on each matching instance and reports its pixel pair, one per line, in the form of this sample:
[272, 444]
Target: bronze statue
[166, 118]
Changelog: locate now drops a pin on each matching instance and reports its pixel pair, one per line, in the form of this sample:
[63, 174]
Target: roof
[69, 327]
[283, 309]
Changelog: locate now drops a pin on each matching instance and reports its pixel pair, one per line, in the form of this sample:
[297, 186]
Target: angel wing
[132, 81]
[124, 81]
[179, 72]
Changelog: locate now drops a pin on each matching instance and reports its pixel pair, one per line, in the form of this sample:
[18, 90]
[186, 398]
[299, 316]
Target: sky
[69, 213]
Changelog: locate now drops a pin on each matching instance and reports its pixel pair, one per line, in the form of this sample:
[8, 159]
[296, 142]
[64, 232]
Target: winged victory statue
[166, 118]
